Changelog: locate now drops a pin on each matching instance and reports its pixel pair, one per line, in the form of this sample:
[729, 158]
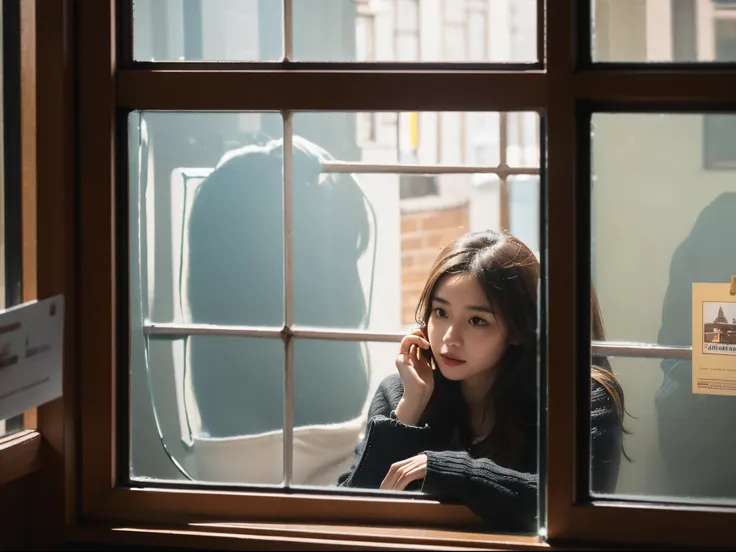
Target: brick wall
[423, 235]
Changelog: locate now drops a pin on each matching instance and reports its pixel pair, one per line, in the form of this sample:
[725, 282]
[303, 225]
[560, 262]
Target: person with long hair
[460, 418]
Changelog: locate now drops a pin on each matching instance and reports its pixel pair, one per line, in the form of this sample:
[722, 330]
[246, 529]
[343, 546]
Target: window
[340, 284]
[673, 432]
[563, 96]
[251, 30]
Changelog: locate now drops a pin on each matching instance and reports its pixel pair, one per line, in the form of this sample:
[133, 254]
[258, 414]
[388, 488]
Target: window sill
[19, 455]
[231, 536]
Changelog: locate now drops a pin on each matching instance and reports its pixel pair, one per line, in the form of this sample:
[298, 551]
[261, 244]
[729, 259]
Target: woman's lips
[451, 361]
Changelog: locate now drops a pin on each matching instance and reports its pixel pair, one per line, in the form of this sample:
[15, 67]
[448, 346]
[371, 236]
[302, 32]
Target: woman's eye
[439, 311]
[477, 321]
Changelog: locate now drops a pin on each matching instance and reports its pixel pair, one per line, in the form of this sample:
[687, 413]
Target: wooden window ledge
[19, 455]
[286, 536]
[302, 536]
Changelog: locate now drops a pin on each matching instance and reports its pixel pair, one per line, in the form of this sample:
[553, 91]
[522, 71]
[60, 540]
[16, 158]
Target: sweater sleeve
[505, 499]
[386, 440]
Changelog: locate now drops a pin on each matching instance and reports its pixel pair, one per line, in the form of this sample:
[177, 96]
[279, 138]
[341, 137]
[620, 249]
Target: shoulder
[601, 397]
[605, 391]
[386, 397]
[606, 432]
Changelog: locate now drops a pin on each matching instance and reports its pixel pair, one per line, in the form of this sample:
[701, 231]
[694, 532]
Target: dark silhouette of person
[236, 276]
[696, 431]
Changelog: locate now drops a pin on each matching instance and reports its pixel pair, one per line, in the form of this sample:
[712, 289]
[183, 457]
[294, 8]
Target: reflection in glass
[337, 30]
[675, 233]
[663, 31]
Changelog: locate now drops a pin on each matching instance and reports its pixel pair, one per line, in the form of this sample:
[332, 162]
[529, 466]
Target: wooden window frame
[98, 85]
[19, 452]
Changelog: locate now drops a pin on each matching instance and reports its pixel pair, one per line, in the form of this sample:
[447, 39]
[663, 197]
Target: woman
[459, 420]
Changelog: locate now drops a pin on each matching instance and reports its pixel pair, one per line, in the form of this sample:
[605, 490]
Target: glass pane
[669, 448]
[202, 251]
[211, 243]
[664, 31]
[678, 214]
[643, 475]
[650, 184]
[215, 30]
[217, 405]
[337, 30]
[363, 242]
[334, 382]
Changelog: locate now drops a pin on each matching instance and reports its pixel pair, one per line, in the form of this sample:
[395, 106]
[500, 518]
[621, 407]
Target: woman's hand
[402, 473]
[416, 374]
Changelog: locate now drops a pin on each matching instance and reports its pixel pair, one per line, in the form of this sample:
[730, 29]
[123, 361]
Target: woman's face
[467, 337]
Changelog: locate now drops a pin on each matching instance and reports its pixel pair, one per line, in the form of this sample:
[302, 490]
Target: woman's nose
[452, 336]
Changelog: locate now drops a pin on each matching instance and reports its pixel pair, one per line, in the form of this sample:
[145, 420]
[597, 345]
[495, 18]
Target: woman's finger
[391, 477]
[410, 340]
[410, 473]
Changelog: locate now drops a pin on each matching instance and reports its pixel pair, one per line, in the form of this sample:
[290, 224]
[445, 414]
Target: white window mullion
[172, 331]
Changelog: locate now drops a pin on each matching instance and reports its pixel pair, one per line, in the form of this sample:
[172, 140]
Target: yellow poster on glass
[714, 338]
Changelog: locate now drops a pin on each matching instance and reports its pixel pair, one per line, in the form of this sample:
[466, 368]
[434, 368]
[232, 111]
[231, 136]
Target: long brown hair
[600, 370]
[508, 272]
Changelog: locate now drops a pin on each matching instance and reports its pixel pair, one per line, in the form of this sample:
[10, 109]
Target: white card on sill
[31, 355]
